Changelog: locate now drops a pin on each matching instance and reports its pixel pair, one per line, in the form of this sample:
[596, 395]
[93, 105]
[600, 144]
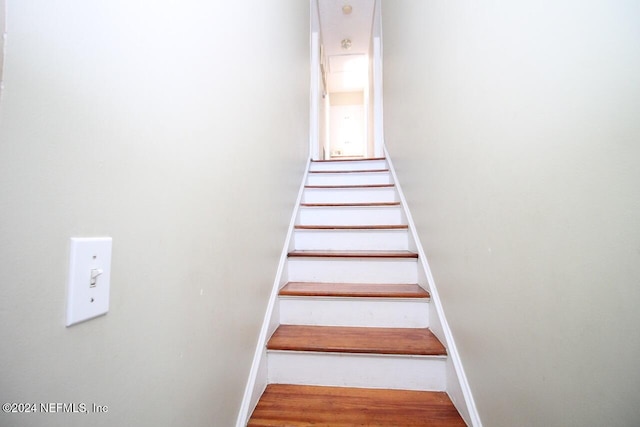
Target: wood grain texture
[353, 227]
[352, 254]
[345, 290]
[352, 171]
[346, 339]
[351, 186]
[348, 160]
[297, 406]
[339, 205]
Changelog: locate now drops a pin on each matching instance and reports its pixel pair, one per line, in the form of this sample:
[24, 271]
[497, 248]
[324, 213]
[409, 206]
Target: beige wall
[123, 119]
[515, 131]
[346, 98]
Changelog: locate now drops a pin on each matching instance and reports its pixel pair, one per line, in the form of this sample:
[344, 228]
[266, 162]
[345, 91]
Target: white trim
[248, 400]
[470, 410]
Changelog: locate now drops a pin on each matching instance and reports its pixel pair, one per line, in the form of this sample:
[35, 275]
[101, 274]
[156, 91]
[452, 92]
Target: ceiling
[346, 68]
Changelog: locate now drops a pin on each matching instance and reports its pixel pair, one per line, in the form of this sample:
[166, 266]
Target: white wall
[514, 130]
[323, 124]
[124, 119]
[370, 100]
[2, 32]
[352, 130]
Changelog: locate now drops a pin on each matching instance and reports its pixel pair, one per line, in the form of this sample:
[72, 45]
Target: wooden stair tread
[303, 405]
[347, 339]
[351, 186]
[340, 205]
[353, 227]
[353, 171]
[348, 160]
[352, 254]
[372, 290]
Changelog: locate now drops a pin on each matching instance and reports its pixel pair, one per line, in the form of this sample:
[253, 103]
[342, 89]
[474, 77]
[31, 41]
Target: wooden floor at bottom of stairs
[301, 405]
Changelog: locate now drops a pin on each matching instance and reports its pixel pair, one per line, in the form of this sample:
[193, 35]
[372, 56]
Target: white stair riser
[348, 166]
[388, 215]
[369, 312]
[358, 178]
[349, 195]
[354, 370]
[352, 240]
[353, 270]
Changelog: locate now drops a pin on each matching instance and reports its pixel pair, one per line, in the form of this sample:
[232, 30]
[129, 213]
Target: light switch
[89, 278]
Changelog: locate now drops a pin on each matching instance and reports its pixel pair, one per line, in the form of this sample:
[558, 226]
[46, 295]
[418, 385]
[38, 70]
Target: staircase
[352, 344]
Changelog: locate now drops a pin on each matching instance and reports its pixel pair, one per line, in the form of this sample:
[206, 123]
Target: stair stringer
[257, 381]
[457, 385]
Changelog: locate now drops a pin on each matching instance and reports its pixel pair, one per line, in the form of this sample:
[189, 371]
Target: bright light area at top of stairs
[354, 75]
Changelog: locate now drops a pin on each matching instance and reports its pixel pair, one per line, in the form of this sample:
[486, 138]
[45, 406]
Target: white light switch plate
[89, 278]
